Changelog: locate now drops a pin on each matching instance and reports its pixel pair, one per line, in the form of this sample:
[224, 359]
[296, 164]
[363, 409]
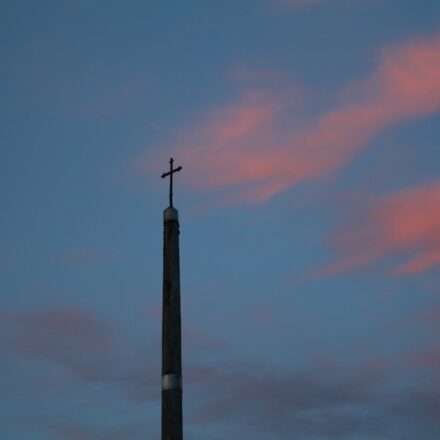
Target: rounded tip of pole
[170, 213]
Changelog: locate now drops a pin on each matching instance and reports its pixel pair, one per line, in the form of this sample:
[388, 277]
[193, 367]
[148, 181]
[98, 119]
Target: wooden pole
[172, 424]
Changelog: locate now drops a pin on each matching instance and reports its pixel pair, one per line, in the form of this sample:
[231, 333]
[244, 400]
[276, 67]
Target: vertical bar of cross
[170, 173]
[171, 181]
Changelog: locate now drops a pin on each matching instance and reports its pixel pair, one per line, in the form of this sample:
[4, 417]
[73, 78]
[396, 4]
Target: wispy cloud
[348, 401]
[325, 399]
[112, 430]
[249, 151]
[429, 358]
[430, 316]
[405, 224]
[69, 337]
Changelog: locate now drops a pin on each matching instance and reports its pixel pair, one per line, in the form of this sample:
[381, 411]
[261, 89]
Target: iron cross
[170, 173]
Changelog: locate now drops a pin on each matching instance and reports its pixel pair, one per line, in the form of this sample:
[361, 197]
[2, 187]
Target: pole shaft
[172, 424]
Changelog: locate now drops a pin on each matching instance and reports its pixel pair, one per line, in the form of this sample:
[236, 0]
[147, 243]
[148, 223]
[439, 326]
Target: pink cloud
[83, 346]
[253, 149]
[261, 318]
[268, 397]
[429, 358]
[72, 338]
[113, 430]
[430, 316]
[197, 340]
[405, 224]
[154, 312]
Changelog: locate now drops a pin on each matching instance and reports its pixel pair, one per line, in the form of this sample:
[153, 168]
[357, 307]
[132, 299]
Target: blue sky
[308, 132]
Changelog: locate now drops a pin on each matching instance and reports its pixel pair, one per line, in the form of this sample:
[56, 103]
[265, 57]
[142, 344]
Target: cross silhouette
[170, 173]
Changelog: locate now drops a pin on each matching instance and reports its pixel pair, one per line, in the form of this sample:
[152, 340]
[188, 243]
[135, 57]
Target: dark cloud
[131, 432]
[360, 403]
[70, 337]
[85, 346]
[324, 400]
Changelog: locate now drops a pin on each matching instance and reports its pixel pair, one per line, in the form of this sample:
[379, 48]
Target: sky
[309, 206]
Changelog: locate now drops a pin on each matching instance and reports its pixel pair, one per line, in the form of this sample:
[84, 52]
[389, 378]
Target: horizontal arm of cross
[171, 172]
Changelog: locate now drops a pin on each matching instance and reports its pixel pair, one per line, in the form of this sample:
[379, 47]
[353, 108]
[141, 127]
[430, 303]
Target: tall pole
[172, 423]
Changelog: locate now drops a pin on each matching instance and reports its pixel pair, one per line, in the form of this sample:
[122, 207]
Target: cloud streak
[249, 153]
[405, 224]
[356, 401]
[321, 400]
[69, 337]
